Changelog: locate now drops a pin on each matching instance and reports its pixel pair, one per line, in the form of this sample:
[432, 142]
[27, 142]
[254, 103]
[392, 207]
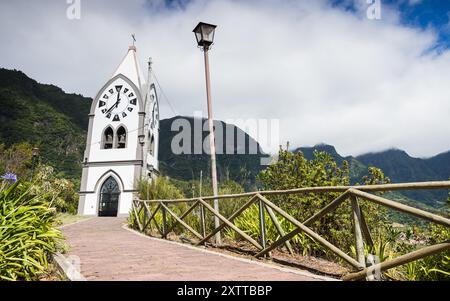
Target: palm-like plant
[27, 233]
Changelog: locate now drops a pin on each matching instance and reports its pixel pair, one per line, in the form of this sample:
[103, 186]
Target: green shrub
[160, 188]
[59, 192]
[27, 233]
[293, 170]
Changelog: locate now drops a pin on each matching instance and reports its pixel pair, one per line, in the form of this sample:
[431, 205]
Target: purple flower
[10, 177]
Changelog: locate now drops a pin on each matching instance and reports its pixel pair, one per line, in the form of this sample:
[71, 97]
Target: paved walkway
[109, 251]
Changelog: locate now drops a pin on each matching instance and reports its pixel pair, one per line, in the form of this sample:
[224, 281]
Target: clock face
[117, 101]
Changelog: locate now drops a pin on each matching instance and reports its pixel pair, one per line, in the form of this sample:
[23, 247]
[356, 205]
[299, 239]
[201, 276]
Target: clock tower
[122, 140]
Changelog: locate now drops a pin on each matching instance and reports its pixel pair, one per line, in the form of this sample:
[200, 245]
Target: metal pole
[201, 183]
[32, 167]
[212, 143]
[202, 208]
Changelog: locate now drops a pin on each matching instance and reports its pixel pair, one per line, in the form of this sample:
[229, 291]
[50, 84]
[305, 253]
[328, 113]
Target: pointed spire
[130, 68]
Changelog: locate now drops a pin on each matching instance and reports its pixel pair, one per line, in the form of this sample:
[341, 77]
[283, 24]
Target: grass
[63, 219]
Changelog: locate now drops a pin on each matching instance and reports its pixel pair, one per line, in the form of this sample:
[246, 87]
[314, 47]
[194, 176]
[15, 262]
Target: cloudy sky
[323, 68]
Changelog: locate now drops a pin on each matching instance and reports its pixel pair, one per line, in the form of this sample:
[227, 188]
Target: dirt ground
[280, 257]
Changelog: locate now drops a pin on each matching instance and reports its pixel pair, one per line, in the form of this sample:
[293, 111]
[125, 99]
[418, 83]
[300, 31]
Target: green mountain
[46, 117]
[399, 167]
[308, 152]
[242, 168]
[440, 164]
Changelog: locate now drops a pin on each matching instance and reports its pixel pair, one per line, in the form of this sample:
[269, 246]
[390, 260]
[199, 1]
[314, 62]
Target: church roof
[129, 67]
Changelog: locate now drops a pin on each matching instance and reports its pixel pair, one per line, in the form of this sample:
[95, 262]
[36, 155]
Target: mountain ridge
[399, 166]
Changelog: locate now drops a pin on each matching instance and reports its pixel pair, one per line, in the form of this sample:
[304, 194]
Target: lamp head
[204, 33]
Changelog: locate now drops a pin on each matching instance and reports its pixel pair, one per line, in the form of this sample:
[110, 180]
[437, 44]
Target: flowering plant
[7, 179]
[10, 177]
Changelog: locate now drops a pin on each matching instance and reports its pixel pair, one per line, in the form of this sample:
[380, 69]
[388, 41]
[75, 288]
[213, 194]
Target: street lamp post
[35, 154]
[204, 33]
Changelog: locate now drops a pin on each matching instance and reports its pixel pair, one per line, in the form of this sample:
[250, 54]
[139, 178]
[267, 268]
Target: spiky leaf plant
[27, 233]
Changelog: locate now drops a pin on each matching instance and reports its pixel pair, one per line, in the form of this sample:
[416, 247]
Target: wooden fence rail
[355, 194]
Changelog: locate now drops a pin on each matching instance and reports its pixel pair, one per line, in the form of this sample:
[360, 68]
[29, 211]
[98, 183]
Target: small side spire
[150, 66]
[150, 63]
[133, 47]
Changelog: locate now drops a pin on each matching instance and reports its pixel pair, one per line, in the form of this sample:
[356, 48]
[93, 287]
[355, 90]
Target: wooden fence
[144, 216]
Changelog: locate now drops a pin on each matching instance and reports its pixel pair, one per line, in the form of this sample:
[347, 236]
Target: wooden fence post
[144, 218]
[202, 221]
[262, 224]
[365, 229]
[279, 228]
[164, 221]
[359, 242]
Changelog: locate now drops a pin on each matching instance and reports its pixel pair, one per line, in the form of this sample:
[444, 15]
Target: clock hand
[118, 100]
[114, 106]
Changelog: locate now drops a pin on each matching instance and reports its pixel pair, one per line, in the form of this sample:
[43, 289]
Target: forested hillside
[399, 167]
[45, 117]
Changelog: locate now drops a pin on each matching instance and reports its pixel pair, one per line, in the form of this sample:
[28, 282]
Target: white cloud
[328, 75]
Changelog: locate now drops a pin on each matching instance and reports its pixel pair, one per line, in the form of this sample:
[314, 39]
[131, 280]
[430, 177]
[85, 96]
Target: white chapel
[122, 140]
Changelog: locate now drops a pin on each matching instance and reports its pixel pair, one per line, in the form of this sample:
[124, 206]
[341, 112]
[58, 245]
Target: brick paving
[108, 251]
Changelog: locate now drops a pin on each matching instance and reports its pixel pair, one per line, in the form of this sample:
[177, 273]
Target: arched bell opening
[107, 138]
[121, 140]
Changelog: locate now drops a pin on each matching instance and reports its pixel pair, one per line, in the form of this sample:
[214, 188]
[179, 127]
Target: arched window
[121, 141]
[107, 139]
[109, 198]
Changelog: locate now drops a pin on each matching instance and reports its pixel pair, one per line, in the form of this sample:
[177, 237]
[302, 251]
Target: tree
[16, 159]
[293, 170]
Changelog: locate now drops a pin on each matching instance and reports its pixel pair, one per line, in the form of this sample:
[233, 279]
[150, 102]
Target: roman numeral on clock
[124, 114]
[101, 104]
[118, 88]
[125, 90]
[111, 91]
[133, 101]
[116, 118]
